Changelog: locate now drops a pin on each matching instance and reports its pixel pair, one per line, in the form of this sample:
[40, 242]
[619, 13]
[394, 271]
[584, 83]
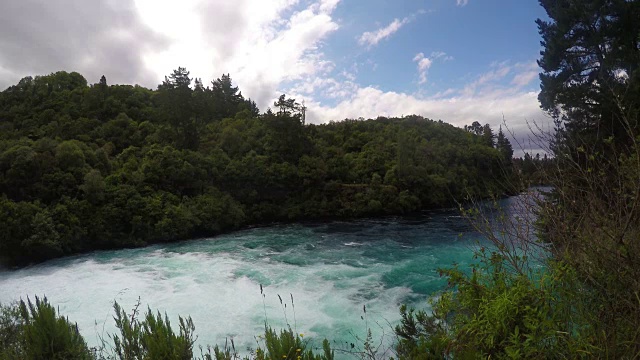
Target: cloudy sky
[456, 60]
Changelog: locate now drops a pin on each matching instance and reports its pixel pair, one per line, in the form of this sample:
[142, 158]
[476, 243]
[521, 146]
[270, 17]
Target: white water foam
[220, 292]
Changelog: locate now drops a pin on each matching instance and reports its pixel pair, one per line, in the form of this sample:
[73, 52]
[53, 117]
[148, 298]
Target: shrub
[11, 334]
[151, 338]
[289, 346]
[46, 335]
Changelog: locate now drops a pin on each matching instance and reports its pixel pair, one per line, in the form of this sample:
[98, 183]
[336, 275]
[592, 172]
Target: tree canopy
[590, 65]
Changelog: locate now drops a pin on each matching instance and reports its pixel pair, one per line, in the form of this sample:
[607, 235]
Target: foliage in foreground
[151, 338]
[33, 331]
[500, 314]
[581, 300]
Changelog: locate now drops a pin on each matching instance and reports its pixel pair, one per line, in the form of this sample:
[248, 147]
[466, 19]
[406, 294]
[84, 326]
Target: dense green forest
[99, 166]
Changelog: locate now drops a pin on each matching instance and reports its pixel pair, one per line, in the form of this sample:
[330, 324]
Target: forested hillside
[101, 166]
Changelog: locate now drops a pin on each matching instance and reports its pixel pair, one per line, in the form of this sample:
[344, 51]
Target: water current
[332, 270]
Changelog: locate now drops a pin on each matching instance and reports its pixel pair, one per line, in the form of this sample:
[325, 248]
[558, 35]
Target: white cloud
[327, 6]
[522, 76]
[525, 78]
[348, 75]
[261, 43]
[441, 55]
[372, 38]
[328, 88]
[56, 36]
[487, 78]
[462, 2]
[526, 73]
[424, 64]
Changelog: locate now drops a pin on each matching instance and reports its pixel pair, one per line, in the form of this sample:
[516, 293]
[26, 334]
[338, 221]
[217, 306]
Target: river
[332, 270]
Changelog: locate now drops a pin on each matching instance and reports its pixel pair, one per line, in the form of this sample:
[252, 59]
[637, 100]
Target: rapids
[332, 270]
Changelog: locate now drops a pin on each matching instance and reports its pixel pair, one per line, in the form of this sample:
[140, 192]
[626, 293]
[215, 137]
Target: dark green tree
[176, 106]
[179, 79]
[252, 107]
[475, 128]
[103, 82]
[288, 106]
[589, 61]
[487, 136]
[504, 146]
[591, 85]
[227, 98]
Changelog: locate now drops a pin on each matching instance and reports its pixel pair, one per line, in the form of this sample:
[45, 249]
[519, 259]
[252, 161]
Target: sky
[458, 61]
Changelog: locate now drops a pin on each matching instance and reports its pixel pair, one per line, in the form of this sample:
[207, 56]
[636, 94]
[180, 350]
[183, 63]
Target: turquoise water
[331, 269]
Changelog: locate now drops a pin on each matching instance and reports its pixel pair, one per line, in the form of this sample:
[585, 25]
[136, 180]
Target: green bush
[151, 338]
[33, 331]
[11, 334]
[289, 346]
[497, 313]
[46, 335]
